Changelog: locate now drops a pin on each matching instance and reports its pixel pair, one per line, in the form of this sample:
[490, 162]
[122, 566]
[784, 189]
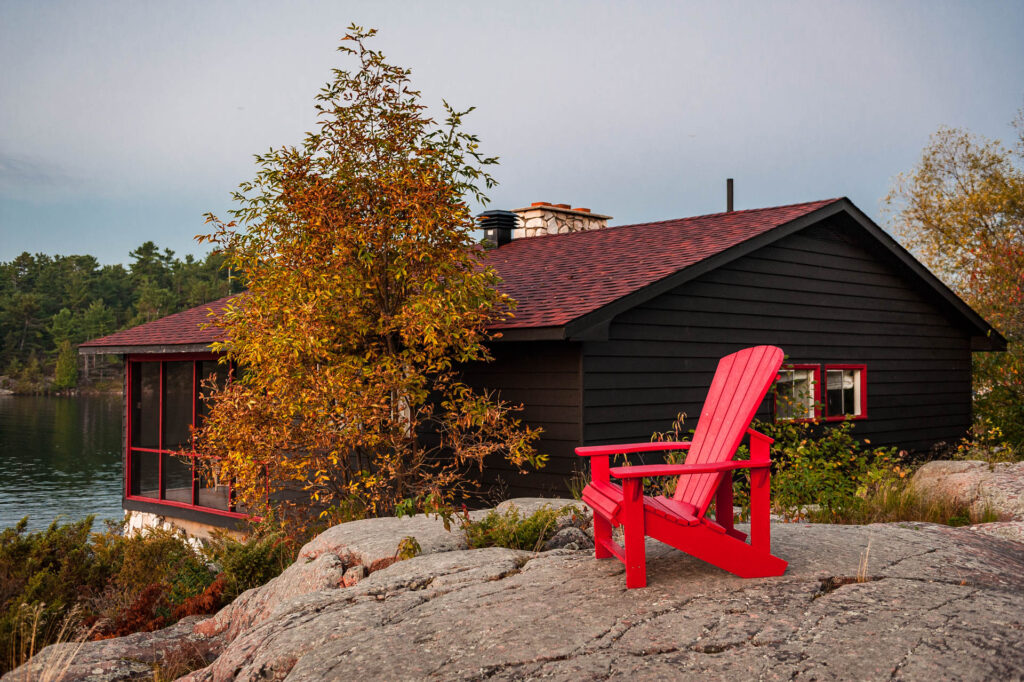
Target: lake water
[59, 456]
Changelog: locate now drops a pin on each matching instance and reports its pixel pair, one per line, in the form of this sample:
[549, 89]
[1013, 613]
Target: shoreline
[63, 393]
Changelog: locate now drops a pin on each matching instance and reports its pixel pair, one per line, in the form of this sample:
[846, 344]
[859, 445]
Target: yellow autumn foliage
[365, 296]
[961, 211]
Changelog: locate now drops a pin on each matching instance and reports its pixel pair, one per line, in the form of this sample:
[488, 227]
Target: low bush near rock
[987, 443]
[825, 465]
[244, 565]
[43, 576]
[813, 464]
[512, 530]
[68, 582]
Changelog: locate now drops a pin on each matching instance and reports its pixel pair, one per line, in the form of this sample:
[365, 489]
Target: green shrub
[66, 373]
[154, 573]
[813, 463]
[251, 563]
[117, 583]
[664, 485]
[47, 572]
[512, 530]
[988, 443]
[824, 465]
[823, 474]
[1002, 405]
[408, 548]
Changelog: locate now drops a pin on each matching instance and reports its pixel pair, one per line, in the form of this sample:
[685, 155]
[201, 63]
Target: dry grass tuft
[896, 501]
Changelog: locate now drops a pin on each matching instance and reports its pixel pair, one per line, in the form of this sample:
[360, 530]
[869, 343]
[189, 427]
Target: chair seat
[606, 499]
[681, 513]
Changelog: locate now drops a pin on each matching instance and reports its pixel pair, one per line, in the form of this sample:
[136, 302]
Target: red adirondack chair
[740, 384]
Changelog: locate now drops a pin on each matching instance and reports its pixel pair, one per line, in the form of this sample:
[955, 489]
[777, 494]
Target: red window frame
[132, 364]
[817, 394]
[863, 393]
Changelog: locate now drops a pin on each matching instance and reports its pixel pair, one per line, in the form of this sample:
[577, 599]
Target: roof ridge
[822, 202]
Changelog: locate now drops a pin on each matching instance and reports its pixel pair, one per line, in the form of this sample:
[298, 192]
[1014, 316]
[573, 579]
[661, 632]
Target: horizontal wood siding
[820, 295]
[543, 376]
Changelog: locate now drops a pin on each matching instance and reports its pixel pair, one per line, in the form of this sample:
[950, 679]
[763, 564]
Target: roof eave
[154, 349]
[551, 333]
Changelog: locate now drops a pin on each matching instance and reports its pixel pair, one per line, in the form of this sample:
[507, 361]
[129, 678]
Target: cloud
[25, 177]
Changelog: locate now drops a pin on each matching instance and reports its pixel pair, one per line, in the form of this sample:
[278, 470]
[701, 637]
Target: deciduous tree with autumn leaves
[365, 295]
[961, 210]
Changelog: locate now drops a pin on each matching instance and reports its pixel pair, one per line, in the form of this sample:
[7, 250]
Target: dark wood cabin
[618, 329]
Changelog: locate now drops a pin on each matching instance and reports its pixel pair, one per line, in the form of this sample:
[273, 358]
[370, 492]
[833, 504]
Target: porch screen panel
[146, 407]
[213, 492]
[208, 370]
[178, 397]
[177, 478]
[145, 478]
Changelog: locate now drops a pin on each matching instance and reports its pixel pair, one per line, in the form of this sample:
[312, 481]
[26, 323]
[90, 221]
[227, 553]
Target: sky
[122, 122]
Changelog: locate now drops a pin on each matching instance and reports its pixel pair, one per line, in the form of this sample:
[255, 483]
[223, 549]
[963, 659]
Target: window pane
[834, 385]
[145, 474]
[851, 392]
[219, 373]
[212, 493]
[177, 404]
[795, 394]
[146, 407]
[177, 479]
[843, 386]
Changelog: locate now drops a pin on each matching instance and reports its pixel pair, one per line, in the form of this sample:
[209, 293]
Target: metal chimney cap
[498, 226]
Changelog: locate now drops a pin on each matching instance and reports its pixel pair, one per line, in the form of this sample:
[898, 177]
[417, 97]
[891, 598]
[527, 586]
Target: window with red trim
[165, 401]
[797, 392]
[846, 392]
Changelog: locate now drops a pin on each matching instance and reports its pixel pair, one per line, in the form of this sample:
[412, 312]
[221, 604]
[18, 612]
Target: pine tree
[66, 375]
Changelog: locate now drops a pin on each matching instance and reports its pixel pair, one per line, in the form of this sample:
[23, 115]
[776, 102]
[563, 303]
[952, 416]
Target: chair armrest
[599, 450]
[651, 470]
[758, 436]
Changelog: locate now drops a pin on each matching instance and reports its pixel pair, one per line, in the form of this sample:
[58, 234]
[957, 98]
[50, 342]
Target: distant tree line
[50, 304]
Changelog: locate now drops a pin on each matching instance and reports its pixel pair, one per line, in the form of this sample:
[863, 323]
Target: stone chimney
[542, 218]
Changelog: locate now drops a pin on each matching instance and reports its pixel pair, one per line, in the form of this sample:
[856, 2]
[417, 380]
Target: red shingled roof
[180, 328]
[557, 278]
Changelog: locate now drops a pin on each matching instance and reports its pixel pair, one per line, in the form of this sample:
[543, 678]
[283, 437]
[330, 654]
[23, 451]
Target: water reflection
[59, 456]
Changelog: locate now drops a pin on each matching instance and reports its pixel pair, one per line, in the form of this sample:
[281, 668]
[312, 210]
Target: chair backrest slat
[741, 382]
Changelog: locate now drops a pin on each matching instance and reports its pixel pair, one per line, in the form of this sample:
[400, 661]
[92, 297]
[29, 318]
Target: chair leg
[760, 511]
[636, 556]
[632, 515]
[602, 534]
[723, 502]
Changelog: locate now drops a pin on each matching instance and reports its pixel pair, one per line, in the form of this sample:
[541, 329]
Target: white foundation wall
[194, 532]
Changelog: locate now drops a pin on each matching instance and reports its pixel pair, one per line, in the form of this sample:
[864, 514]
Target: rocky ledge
[905, 601]
[996, 487]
